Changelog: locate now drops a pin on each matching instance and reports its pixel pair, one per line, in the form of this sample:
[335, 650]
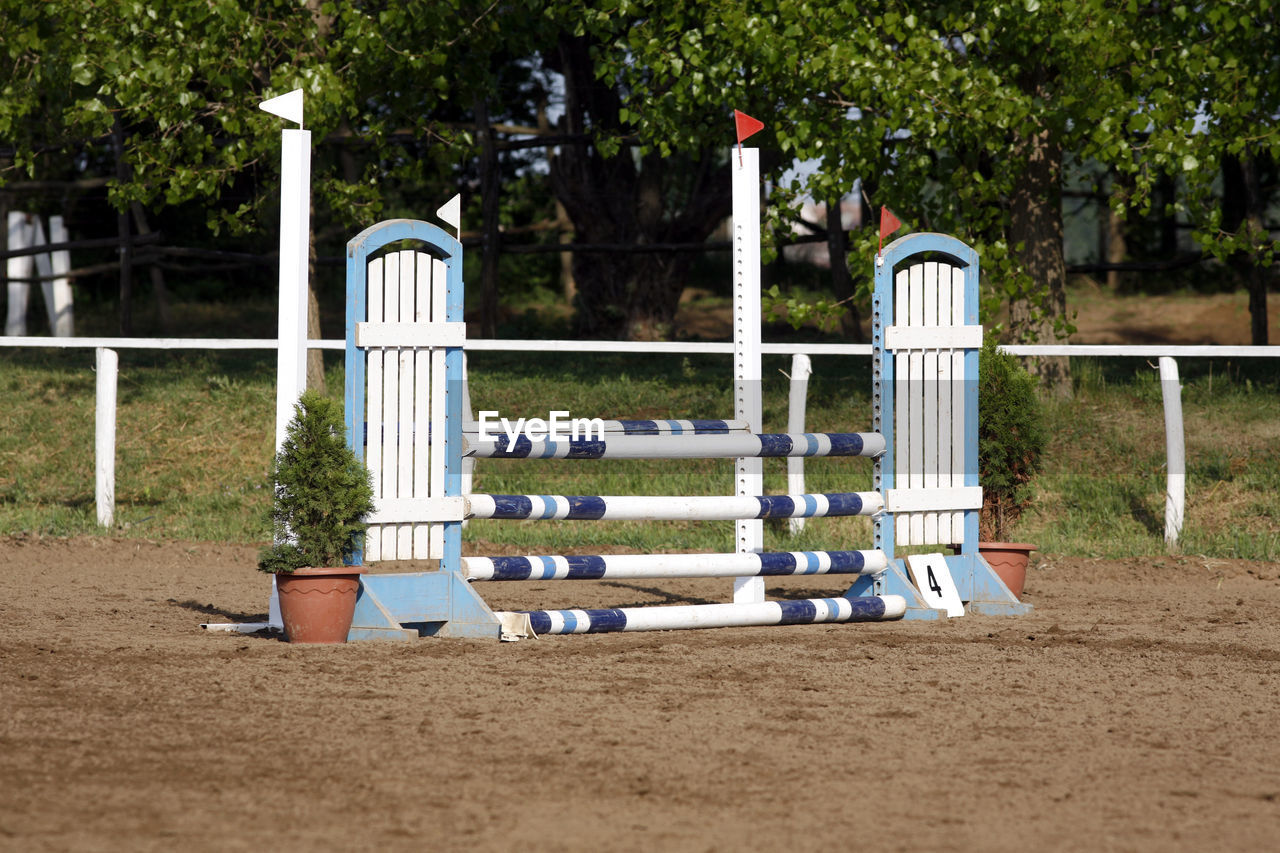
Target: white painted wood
[108, 364]
[946, 409]
[422, 403]
[57, 293]
[411, 334]
[396, 511]
[295, 249]
[958, 399]
[749, 478]
[919, 500]
[390, 401]
[404, 445]
[932, 336]
[373, 405]
[19, 292]
[901, 406]
[801, 369]
[1175, 451]
[915, 436]
[439, 299]
[929, 390]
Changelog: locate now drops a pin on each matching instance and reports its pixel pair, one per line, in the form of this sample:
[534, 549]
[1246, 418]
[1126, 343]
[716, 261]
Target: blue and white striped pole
[808, 611]
[678, 446]
[672, 508]
[635, 566]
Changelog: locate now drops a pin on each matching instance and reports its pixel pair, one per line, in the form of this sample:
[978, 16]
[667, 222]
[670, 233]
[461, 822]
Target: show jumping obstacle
[405, 340]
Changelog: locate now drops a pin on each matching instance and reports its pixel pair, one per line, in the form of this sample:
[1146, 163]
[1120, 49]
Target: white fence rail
[106, 392]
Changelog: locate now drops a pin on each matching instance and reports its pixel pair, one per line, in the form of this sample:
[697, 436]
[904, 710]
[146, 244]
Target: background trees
[962, 117]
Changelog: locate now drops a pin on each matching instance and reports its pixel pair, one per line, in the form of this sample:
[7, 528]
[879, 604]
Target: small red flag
[746, 125]
[888, 224]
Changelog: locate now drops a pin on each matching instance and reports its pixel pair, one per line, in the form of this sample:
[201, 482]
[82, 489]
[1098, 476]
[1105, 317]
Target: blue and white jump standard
[405, 338]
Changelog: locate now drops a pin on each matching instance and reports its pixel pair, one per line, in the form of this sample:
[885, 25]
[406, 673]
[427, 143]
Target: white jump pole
[749, 471]
[57, 293]
[108, 364]
[801, 369]
[19, 230]
[1175, 451]
[295, 246]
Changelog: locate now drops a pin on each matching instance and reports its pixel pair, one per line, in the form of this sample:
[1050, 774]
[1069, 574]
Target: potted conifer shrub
[322, 493]
[1011, 440]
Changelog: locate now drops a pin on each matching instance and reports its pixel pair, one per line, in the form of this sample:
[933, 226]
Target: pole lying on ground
[108, 364]
[1175, 451]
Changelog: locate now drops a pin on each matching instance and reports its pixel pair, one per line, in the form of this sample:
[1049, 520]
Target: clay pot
[1009, 561]
[316, 605]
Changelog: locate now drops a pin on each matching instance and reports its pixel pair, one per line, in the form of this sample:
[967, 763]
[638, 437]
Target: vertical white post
[18, 291]
[295, 250]
[1175, 451]
[749, 479]
[108, 365]
[801, 369]
[57, 293]
[295, 237]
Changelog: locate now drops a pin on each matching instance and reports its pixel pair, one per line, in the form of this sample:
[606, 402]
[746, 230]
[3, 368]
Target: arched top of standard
[436, 240]
[928, 242]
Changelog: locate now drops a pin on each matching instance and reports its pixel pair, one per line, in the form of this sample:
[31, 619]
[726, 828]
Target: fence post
[801, 369]
[1175, 451]
[107, 363]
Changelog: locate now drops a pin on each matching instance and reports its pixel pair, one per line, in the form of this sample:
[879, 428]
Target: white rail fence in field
[106, 365]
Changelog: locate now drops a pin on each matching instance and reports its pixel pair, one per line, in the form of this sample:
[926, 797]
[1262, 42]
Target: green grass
[195, 434]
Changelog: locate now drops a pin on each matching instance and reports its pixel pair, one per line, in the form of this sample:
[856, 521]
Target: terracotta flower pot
[316, 605]
[1009, 561]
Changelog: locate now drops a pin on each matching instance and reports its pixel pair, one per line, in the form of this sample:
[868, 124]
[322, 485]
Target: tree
[960, 114]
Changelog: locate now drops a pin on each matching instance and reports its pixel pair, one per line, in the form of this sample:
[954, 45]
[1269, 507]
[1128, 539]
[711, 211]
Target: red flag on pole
[888, 224]
[746, 126]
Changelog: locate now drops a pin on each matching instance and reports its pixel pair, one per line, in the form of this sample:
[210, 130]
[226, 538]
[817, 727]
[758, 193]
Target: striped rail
[670, 446]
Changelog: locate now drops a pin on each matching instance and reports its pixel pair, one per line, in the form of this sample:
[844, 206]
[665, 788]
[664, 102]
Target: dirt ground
[1134, 710]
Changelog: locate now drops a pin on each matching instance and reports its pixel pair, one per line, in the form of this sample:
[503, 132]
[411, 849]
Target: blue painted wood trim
[437, 242]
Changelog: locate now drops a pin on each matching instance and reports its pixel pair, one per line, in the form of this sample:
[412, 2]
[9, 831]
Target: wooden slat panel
[944, 336]
[901, 407]
[915, 438]
[439, 282]
[957, 400]
[946, 409]
[390, 401]
[411, 334]
[929, 390]
[421, 403]
[373, 413]
[404, 415]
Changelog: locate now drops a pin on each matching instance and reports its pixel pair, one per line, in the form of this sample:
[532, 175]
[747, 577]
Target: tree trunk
[1255, 273]
[841, 281]
[1117, 245]
[122, 230]
[489, 200]
[1243, 205]
[623, 200]
[1035, 208]
[157, 275]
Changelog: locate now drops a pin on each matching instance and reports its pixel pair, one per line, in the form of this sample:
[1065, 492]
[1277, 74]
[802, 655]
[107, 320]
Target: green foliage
[1011, 438]
[932, 106]
[322, 492]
